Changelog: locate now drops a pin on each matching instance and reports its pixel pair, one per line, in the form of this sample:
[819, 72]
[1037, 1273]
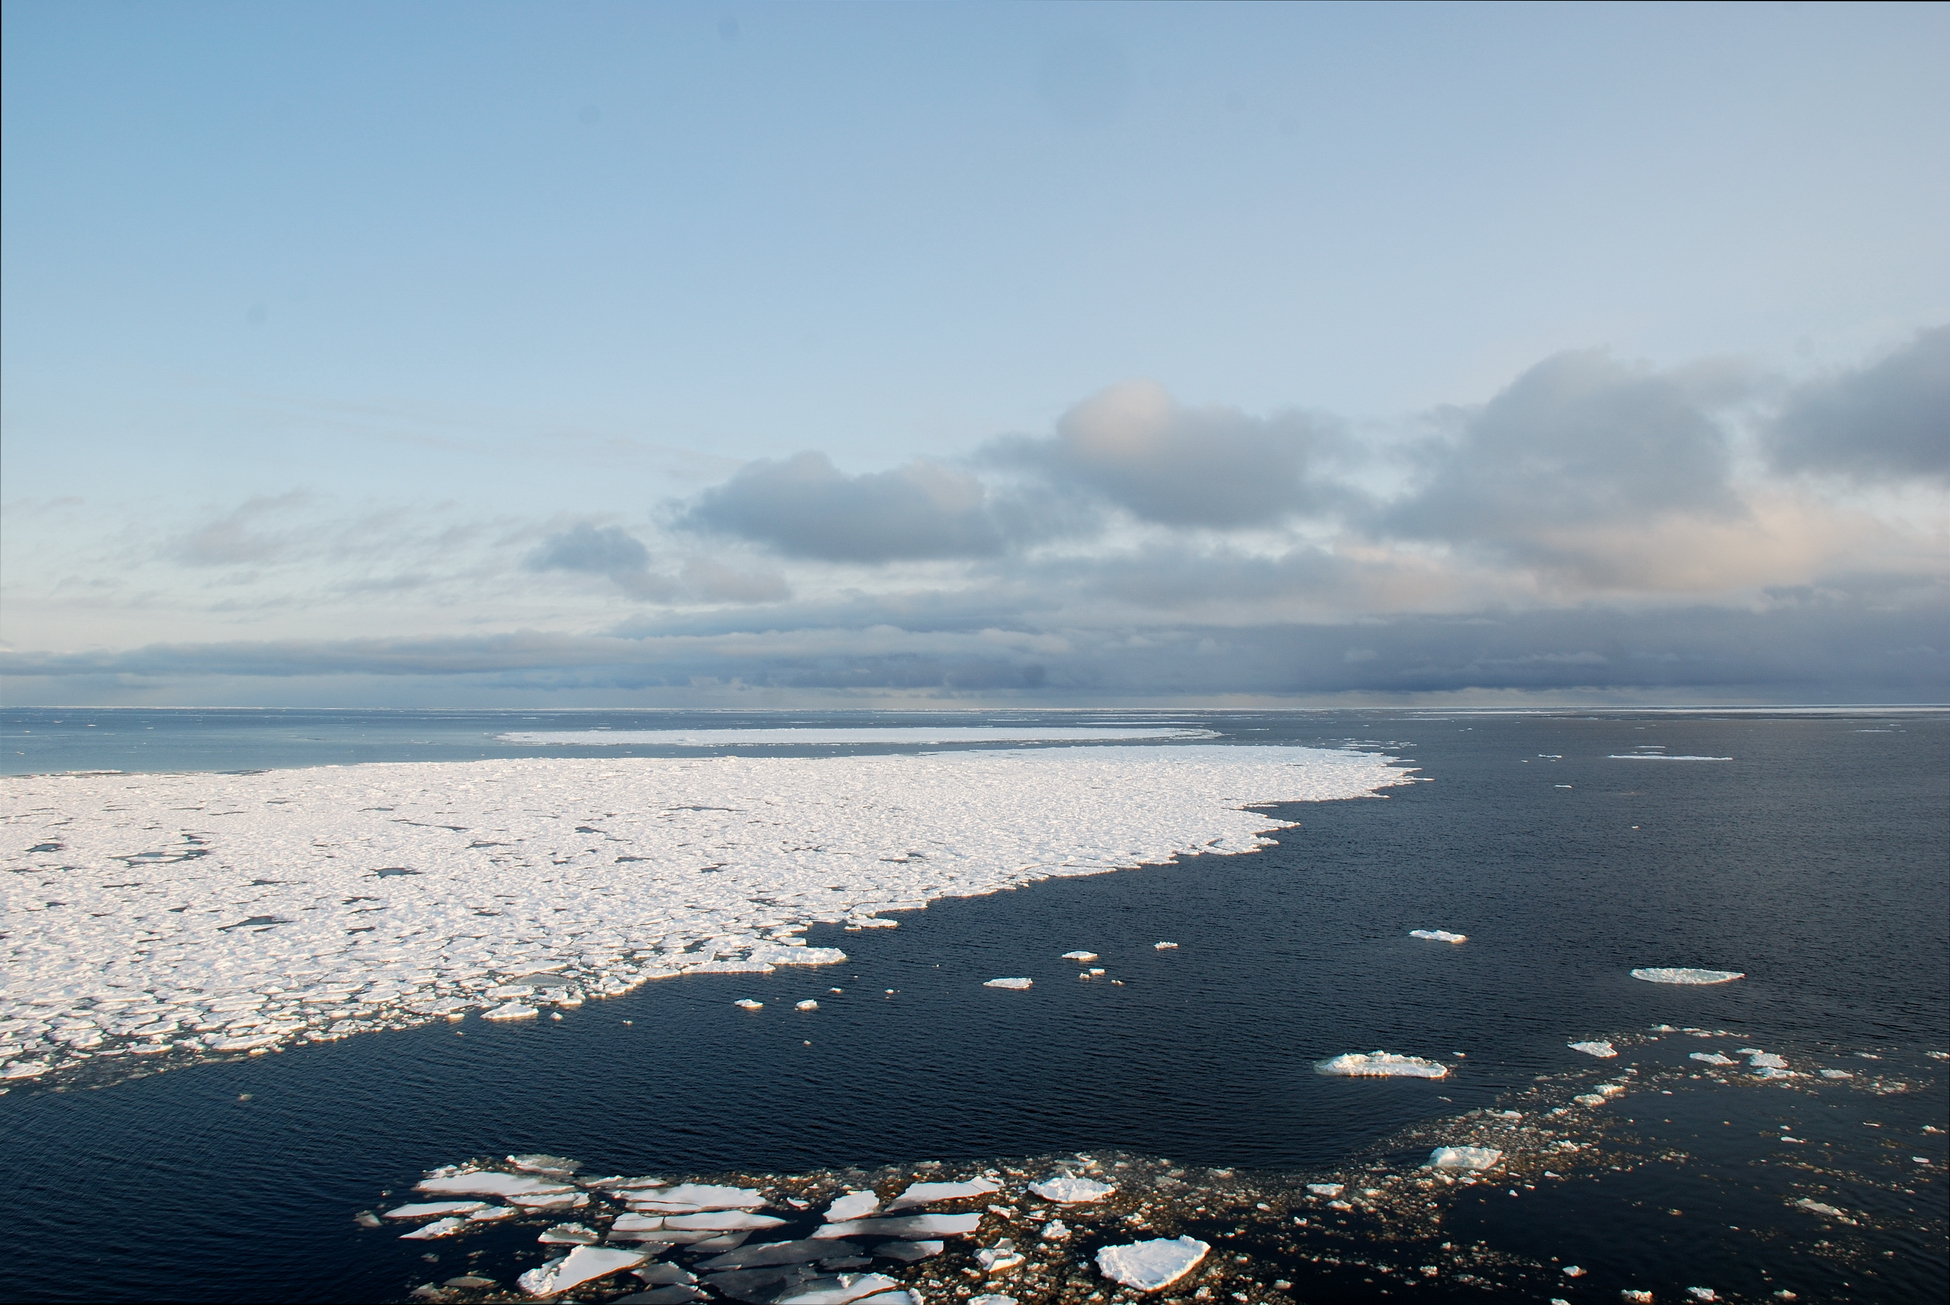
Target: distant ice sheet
[1683, 975]
[212, 914]
[909, 734]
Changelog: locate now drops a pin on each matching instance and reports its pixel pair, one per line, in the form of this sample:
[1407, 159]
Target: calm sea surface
[1816, 860]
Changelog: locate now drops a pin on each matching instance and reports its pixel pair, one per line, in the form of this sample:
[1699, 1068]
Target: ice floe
[802, 737]
[1083, 957]
[1153, 1265]
[433, 1209]
[514, 1010]
[854, 1205]
[1067, 1189]
[1381, 1064]
[746, 1003]
[1017, 983]
[807, 1004]
[1684, 975]
[1326, 1189]
[931, 1193]
[409, 892]
[1712, 1058]
[908, 1252]
[840, 1288]
[1164, 946]
[687, 1197]
[1439, 935]
[583, 1264]
[721, 1221]
[1602, 1050]
[488, 1182]
[569, 1234]
[910, 1226]
[438, 1228]
[1465, 1157]
[1056, 1231]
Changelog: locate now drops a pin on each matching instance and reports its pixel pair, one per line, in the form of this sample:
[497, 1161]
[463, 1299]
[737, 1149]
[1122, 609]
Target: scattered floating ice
[854, 1205]
[1001, 1257]
[1704, 1293]
[1163, 946]
[1712, 1058]
[1381, 1064]
[569, 1234]
[1439, 935]
[1080, 956]
[1465, 1157]
[1066, 1189]
[433, 1209]
[493, 1214]
[721, 1221]
[746, 1003]
[807, 1004]
[1056, 1231]
[1602, 1050]
[708, 1196]
[991, 1298]
[514, 1010]
[841, 1288]
[583, 1264]
[1017, 983]
[1836, 1073]
[1572, 1271]
[489, 1182]
[438, 1228]
[555, 1166]
[1631, 1296]
[913, 1225]
[908, 1252]
[1683, 975]
[1326, 1189]
[1766, 1060]
[1822, 1208]
[930, 1193]
[555, 1201]
[1152, 1265]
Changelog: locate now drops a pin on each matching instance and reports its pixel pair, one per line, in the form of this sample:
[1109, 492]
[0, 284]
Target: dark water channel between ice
[1817, 861]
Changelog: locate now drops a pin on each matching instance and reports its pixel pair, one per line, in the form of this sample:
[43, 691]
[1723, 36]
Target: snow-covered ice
[913, 1225]
[930, 1193]
[839, 1289]
[854, 1205]
[407, 892]
[1083, 957]
[1152, 1265]
[746, 1003]
[1684, 975]
[1056, 1231]
[433, 1209]
[1439, 935]
[1326, 1189]
[807, 1004]
[1164, 946]
[1602, 1050]
[721, 1221]
[488, 1182]
[438, 1228]
[802, 736]
[583, 1264]
[1712, 1058]
[1066, 1189]
[1017, 983]
[1464, 1157]
[1381, 1064]
[688, 1197]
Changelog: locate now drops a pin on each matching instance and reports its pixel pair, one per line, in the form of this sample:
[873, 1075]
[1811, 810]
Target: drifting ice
[1711, 1058]
[1017, 983]
[1602, 1050]
[1464, 1157]
[583, 1264]
[1687, 976]
[913, 1225]
[929, 1193]
[430, 1209]
[490, 1183]
[1079, 956]
[854, 1205]
[1164, 946]
[1152, 1265]
[1068, 1190]
[1439, 935]
[1382, 1064]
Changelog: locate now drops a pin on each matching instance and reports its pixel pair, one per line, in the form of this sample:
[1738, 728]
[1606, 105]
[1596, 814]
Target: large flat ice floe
[1152, 1265]
[871, 734]
[209, 914]
[1381, 1064]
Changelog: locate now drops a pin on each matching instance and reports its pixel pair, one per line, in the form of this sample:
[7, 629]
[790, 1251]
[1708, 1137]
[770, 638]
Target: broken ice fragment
[721, 1221]
[1080, 956]
[1702, 1293]
[838, 1289]
[991, 1298]
[1381, 1064]
[1068, 1190]
[550, 1201]
[854, 1205]
[1008, 983]
[489, 1182]
[583, 1264]
[433, 1209]
[554, 1166]
[1001, 1257]
[1439, 935]
[438, 1228]
[913, 1225]
[765, 1254]
[514, 1010]
[909, 1252]
[570, 1234]
[1326, 1189]
[746, 1003]
[930, 1193]
[1819, 1207]
[1163, 946]
[1683, 975]
[1465, 1157]
[493, 1214]
[1602, 1050]
[1056, 1231]
[705, 1196]
[1766, 1060]
[807, 1004]
[1710, 1057]
[1152, 1265]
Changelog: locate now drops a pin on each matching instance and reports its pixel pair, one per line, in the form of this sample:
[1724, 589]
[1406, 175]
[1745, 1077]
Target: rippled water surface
[1816, 861]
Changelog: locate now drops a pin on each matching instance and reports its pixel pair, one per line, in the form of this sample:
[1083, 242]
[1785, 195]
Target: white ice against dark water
[933, 1193]
[266, 909]
[871, 734]
[853, 1205]
[1153, 1265]
[1684, 975]
[1602, 1050]
[1439, 935]
[1066, 1189]
[1473, 1158]
[1018, 983]
[1381, 1064]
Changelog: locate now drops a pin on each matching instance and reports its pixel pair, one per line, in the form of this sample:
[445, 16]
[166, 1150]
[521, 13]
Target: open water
[1816, 861]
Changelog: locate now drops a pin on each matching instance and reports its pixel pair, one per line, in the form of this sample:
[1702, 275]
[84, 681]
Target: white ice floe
[807, 1004]
[746, 1003]
[407, 892]
[1766, 1060]
[514, 1010]
[554, 1166]
[709, 1196]
[1822, 1208]
[854, 1205]
[1056, 1231]
[493, 1214]
[912, 1226]
[1836, 1073]
[1439, 935]
[1066, 1189]
[438, 1228]
[1152, 1265]
[1684, 975]
[1602, 1050]
[991, 1298]
[1017, 983]
[930, 1193]
[1080, 956]
[721, 1221]
[1381, 1064]
[555, 1201]
[583, 1264]
[1000, 1258]
[489, 1182]
[1712, 1058]
[434, 1209]
[1164, 946]
[907, 1252]
[1465, 1157]
[838, 1289]
[1326, 1189]
[803, 736]
[569, 1234]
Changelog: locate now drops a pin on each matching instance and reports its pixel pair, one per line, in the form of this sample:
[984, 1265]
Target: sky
[732, 355]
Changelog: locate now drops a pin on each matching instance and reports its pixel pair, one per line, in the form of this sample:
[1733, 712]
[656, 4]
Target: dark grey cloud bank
[1887, 422]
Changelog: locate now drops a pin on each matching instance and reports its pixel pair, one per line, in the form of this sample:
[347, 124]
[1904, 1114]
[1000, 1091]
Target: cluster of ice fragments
[237, 913]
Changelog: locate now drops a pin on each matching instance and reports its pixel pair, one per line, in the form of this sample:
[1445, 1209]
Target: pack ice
[219, 914]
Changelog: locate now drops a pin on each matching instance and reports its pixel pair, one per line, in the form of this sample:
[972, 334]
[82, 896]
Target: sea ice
[1008, 983]
[1001, 1257]
[908, 1252]
[555, 1166]
[1465, 1157]
[1381, 1064]
[1056, 1231]
[1066, 1189]
[569, 1234]
[721, 1221]
[433, 1209]
[913, 1225]
[838, 1289]
[707, 1196]
[930, 1193]
[583, 1264]
[1164, 946]
[1152, 1265]
[488, 1182]
[1822, 1208]
[807, 1004]
[1683, 975]
[1080, 956]
[991, 1298]
[1602, 1050]
[765, 1254]
[746, 1003]
[550, 1201]
[854, 1205]
[493, 1214]
[1766, 1060]
[1836, 1073]
[1711, 1058]
[1439, 935]
[514, 1010]
[438, 1228]
[1326, 1189]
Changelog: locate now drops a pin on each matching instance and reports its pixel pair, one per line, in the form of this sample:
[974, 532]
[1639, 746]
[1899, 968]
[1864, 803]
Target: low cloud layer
[1888, 422]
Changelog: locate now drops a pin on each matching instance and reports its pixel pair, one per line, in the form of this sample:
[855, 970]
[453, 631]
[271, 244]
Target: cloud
[1216, 467]
[1888, 421]
[806, 507]
[598, 550]
[238, 537]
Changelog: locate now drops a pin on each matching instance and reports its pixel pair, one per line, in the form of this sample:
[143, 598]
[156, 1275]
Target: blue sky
[670, 354]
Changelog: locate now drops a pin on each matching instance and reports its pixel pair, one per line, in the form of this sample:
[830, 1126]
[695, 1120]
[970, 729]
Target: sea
[1780, 1136]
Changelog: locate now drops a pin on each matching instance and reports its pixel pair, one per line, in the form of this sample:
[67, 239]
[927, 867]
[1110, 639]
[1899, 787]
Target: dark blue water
[1817, 861]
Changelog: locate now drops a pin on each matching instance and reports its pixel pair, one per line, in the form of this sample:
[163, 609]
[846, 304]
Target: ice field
[224, 913]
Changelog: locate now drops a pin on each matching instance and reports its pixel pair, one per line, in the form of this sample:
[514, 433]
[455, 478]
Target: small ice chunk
[583, 1264]
[991, 1298]
[1836, 1073]
[1820, 1207]
[570, 1234]
[438, 1228]
[1465, 1157]
[1702, 1293]
[854, 1205]
[493, 1214]
[664, 1275]
[930, 1193]
[913, 1225]
[550, 1201]
[514, 1010]
[1164, 946]
[1381, 1064]
[1056, 1231]
[1634, 1297]
[1571, 1271]
[1589, 1099]
[1326, 1189]
[25, 1069]
[1008, 983]
[636, 1223]
[1066, 1189]
[489, 1182]
[1602, 1050]
[746, 1003]
[765, 1254]
[705, 1196]
[1152, 1265]
[1711, 1058]
[1683, 975]
[838, 1289]
[1080, 956]
[721, 1221]
[555, 1166]
[908, 1252]
[1439, 935]
[807, 1004]
[1001, 1257]
[434, 1209]
[1766, 1060]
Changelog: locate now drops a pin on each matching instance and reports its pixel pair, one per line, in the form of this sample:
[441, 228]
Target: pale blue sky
[390, 296]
